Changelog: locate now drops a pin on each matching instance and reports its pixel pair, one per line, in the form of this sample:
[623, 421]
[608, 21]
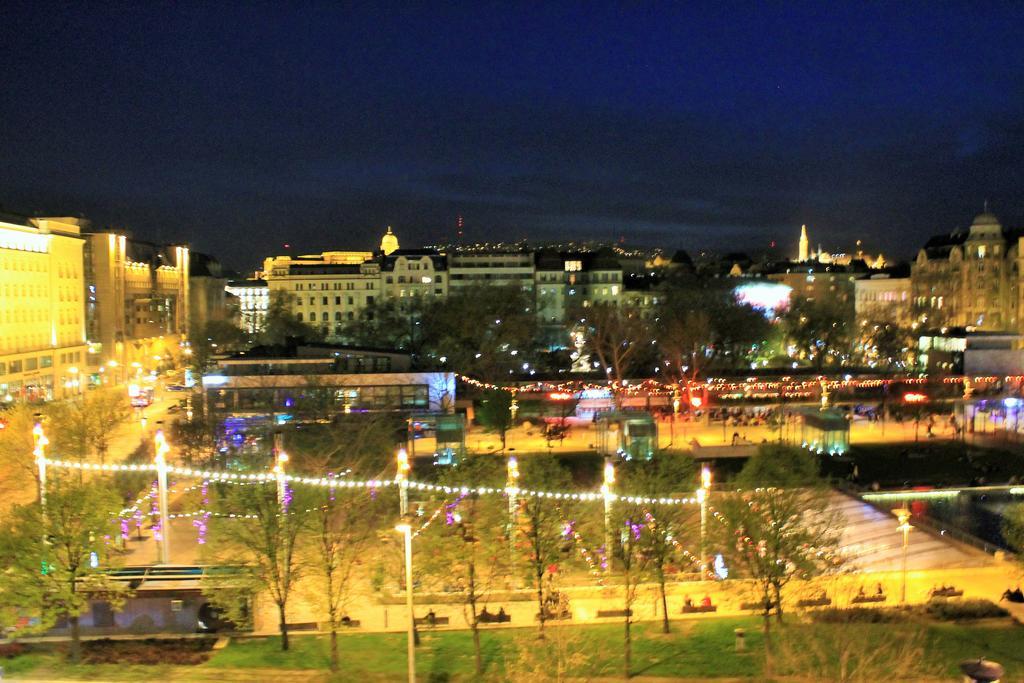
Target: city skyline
[698, 129]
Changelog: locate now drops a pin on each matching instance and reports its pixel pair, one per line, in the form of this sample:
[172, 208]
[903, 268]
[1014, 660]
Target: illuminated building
[252, 298]
[804, 250]
[566, 280]
[42, 325]
[969, 278]
[883, 297]
[388, 243]
[512, 268]
[414, 273]
[137, 302]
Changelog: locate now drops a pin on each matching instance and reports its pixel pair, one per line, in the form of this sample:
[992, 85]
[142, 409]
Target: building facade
[969, 278]
[252, 299]
[43, 350]
[881, 297]
[137, 303]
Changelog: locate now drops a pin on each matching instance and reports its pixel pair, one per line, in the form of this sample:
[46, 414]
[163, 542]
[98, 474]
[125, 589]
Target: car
[176, 387]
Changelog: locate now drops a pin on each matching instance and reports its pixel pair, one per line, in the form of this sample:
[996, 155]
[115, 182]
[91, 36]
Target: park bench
[614, 613]
[814, 602]
[868, 598]
[349, 623]
[697, 609]
[304, 626]
[948, 593]
[488, 618]
[758, 605]
[555, 616]
[427, 621]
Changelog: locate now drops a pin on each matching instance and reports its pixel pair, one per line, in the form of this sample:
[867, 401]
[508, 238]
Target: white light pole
[402, 477]
[702, 498]
[512, 490]
[39, 451]
[280, 460]
[406, 530]
[606, 491]
[903, 516]
[161, 450]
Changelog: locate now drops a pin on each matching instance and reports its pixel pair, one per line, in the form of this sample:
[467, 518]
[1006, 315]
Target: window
[46, 362]
[337, 301]
[324, 316]
[351, 300]
[337, 316]
[324, 302]
[573, 266]
[299, 316]
[369, 301]
[31, 363]
[312, 300]
[15, 366]
[390, 280]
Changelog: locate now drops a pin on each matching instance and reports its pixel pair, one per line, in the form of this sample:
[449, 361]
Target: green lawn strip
[953, 643]
[695, 649]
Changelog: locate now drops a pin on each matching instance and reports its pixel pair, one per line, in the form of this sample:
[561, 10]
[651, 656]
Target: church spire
[388, 243]
[804, 253]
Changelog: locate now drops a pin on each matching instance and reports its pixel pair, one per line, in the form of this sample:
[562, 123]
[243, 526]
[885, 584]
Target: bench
[427, 621]
[868, 598]
[697, 609]
[304, 626]
[815, 602]
[759, 605]
[349, 623]
[948, 594]
[614, 613]
[494, 618]
[553, 616]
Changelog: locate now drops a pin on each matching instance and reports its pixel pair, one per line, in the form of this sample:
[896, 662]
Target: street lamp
[512, 489]
[402, 477]
[606, 491]
[405, 529]
[702, 498]
[903, 516]
[161, 450]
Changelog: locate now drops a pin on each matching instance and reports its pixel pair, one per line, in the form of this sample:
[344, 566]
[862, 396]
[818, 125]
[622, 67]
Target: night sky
[241, 126]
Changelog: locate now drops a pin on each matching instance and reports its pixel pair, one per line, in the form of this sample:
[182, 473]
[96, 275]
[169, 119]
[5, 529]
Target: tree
[282, 325]
[18, 471]
[778, 526]
[1013, 529]
[84, 425]
[343, 527]
[540, 523]
[468, 549]
[487, 331]
[666, 526]
[495, 412]
[56, 562]
[264, 541]
[213, 337]
[344, 522]
[821, 328]
[886, 345]
[615, 336]
[628, 550]
[385, 324]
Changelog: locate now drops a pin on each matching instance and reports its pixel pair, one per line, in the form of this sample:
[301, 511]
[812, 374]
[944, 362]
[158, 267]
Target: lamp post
[402, 477]
[702, 498]
[606, 491]
[280, 461]
[161, 450]
[512, 489]
[40, 443]
[405, 529]
[903, 516]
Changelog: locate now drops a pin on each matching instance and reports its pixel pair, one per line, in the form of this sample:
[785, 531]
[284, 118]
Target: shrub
[962, 610]
[857, 615]
[148, 651]
[10, 650]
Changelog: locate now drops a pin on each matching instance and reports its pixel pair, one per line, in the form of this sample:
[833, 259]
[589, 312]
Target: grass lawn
[695, 649]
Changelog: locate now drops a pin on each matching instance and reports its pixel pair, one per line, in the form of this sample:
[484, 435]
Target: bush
[149, 651]
[857, 615]
[963, 610]
[11, 650]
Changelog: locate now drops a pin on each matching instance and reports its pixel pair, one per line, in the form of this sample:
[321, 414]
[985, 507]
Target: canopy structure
[824, 431]
[631, 434]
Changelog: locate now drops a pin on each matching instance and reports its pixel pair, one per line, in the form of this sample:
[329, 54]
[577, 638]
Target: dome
[388, 243]
[986, 218]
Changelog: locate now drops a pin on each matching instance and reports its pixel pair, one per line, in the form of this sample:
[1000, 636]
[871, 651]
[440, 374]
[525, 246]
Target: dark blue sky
[241, 126]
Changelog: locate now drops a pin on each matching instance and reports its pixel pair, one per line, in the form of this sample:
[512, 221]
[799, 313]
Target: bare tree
[616, 336]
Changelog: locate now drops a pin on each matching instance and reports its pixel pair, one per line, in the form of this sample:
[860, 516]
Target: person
[878, 590]
[431, 618]
[706, 602]
[735, 438]
[687, 602]
[485, 615]
[501, 614]
[860, 592]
